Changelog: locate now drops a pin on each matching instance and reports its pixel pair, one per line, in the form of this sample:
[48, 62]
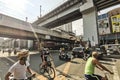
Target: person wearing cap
[19, 68]
[91, 63]
[26, 52]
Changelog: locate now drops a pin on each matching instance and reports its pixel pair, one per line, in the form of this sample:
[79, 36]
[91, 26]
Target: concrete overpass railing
[13, 23]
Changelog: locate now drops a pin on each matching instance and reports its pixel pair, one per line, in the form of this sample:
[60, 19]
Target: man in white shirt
[19, 68]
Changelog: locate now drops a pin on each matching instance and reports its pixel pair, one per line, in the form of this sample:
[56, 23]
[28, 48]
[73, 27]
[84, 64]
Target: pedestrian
[15, 51]
[3, 51]
[9, 52]
[19, 68]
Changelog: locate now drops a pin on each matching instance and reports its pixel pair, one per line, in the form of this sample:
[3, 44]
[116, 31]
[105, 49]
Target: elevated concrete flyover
[14, 28]
[76, 9]
[89, 12]
[70, 11]
[103, 4]
[67, 12]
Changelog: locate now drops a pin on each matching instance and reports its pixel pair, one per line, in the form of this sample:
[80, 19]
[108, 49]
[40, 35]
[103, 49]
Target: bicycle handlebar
[105, 72]
[51, 60]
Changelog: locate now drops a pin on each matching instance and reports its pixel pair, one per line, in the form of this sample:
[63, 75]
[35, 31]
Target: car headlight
[108, 51]
[80, 51]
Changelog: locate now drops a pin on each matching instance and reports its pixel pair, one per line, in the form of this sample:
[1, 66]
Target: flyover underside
[61, 40]
[102, 4]
[65, 19]
[22, 34]
[17, 33]
[58, 10]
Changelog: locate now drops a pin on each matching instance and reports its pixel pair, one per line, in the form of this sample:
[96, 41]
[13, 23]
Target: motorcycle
[64, 56]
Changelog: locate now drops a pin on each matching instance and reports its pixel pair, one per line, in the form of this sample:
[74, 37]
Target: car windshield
[77, 49]
[114, 46]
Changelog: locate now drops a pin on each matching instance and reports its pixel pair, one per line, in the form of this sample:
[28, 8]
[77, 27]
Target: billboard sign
[115, 20]
[103, 26]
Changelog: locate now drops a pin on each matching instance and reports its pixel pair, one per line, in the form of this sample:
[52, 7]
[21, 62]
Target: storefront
[109, 27]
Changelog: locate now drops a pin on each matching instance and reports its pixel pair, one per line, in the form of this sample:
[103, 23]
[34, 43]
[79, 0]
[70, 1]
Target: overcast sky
[31, 9]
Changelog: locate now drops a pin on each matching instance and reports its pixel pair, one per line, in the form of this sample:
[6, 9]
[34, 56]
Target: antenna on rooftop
[40, 11]
[26, 19]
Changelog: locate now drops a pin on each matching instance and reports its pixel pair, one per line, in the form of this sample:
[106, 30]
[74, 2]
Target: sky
[21, 9]
[31, 8]
[27, 8]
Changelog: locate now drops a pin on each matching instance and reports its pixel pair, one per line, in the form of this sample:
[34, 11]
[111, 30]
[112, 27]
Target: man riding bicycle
[91, 63]
[44, 56]
[19, 68]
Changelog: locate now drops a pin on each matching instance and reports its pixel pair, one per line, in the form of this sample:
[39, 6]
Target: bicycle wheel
[51, 72]
[41, 69]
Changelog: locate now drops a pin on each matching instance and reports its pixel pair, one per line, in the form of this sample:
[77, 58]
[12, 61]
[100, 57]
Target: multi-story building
[1, 40]
[66, 27]
[17, 43]
[109, 27]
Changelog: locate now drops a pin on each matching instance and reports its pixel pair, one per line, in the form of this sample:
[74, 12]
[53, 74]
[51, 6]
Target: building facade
[109, 27]
[66, 27]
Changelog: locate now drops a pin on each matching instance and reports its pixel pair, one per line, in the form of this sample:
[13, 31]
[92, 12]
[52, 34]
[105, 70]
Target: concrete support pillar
[41, 45]
[89, 22]
[19, 43]
[30, 44]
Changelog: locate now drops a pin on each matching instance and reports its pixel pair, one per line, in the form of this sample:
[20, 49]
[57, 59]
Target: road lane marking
[0, 74]
[65, 71]
[115, 76]
[38, 76]
[10, 59]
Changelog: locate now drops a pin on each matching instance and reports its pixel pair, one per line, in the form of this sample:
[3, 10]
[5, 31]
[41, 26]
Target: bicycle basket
[49, 63]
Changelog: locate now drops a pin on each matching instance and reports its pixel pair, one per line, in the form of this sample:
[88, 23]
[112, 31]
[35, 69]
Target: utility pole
[26, 19]
[40, 11]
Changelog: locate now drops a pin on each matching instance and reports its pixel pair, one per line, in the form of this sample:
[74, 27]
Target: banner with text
[103, 26]
[115, 20]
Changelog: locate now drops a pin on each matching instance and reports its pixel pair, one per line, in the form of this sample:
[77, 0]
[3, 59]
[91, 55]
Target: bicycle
[47, 69]
[105, 76]
[105, 73]
[28, 78]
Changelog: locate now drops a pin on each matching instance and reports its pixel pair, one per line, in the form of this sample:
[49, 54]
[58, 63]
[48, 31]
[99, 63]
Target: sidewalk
[5, 54]
[76, 70]
[118, 67]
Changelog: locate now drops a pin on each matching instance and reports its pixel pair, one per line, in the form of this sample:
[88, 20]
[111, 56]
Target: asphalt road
[73, 70]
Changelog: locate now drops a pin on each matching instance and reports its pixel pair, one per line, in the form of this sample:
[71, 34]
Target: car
[17, 49]
[64, 56]
[112, 49]
[100, 53]
[78, 52]
[103, 50]
[6, 50]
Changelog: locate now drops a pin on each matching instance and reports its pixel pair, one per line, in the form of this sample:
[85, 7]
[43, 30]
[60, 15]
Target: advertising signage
[103, 26]
[115, 20]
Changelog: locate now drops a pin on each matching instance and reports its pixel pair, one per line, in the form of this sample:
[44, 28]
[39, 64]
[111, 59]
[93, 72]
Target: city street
[69, 29]
[72, 70]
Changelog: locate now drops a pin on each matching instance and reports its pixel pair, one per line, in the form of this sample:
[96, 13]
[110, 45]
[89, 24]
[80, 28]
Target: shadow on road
[108, 63]
[74, 62]
[66, 75]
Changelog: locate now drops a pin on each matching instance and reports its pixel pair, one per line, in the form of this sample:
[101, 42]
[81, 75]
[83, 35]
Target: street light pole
[40, 11]
[116, 41]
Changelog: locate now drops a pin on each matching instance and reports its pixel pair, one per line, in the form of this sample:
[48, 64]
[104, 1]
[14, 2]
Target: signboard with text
[115, 20]
[103, 26]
